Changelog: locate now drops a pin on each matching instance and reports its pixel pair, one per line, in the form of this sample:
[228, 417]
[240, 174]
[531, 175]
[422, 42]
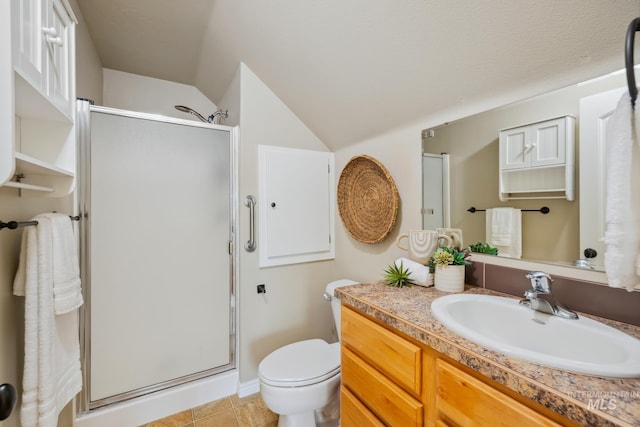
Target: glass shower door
[158, 257]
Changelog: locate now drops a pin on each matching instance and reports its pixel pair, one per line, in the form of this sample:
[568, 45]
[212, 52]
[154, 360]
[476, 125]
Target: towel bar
[543, 210]
[12, 225]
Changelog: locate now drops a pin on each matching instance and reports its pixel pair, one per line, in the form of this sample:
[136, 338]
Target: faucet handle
[540, 281]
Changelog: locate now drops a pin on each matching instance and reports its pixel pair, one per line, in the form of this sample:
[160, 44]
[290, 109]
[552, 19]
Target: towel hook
[628, 51]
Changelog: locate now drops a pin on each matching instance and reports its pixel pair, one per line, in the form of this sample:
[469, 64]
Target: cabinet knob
[49, 31]
[51, 36]
[8, 398]
[273, 204]
[57, 41]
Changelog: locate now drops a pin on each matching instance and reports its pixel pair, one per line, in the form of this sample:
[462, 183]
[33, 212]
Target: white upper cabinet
[42, 146]
[537, 160]
[296, 205]
[43, 52]
[535, 145]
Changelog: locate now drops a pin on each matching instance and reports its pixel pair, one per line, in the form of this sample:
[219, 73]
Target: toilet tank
[335, 302]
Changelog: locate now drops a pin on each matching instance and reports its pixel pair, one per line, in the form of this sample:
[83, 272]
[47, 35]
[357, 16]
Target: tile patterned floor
[232, 411]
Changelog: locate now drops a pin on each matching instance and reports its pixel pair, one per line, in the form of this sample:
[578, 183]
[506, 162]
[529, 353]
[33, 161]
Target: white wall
[88, 64]
[132, 92]
[293, 307]
[400, 152]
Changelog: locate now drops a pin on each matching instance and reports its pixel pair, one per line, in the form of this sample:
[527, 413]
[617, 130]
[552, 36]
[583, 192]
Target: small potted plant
[448, 265]
[397, 276]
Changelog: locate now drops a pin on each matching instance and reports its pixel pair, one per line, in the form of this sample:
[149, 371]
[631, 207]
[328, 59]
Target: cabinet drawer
[467, 401]
[384, 398]
[395, 357]
[354, 413]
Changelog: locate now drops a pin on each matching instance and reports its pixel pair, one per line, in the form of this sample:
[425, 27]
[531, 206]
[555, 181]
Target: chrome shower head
[191, 111]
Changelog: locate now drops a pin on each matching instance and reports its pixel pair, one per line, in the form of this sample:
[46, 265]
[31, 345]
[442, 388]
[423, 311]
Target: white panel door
[296, 205]
[595, 112]
[548, 143]
[514, 148]
[58, 49]
[28, 19]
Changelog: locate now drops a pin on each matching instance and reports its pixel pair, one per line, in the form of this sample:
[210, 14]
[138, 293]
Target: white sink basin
[501, 324]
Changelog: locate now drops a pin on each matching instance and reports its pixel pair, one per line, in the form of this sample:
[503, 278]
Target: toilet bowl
[300, 378]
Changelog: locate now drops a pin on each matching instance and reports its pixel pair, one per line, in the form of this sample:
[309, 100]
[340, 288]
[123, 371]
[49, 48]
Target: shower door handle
[250, 202]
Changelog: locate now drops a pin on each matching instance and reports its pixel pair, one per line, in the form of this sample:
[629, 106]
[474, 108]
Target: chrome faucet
[540, 298]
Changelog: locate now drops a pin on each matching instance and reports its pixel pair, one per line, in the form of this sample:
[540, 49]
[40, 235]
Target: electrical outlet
[262, 288]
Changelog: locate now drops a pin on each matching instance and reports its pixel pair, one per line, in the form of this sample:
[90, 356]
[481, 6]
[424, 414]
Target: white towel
[501, 226]
[417, 272]
[52, 373]
[67, 291]
[508, 240]
[622, 213]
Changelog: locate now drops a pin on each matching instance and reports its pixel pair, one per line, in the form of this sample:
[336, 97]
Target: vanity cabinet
[41, 143]
[538, 160]
[388, 379]
[382, 370]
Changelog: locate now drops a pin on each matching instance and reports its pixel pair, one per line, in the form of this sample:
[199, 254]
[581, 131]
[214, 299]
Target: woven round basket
[367, 199]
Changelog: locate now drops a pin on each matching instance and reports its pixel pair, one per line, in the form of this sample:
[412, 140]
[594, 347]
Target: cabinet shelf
[41, 177]
[30, 165]
[23, 186]
[39, 148]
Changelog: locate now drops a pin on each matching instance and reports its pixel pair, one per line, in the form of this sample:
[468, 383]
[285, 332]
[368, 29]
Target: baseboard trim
[248, 388]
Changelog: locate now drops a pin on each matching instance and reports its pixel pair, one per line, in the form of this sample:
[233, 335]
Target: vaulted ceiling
[350, 69]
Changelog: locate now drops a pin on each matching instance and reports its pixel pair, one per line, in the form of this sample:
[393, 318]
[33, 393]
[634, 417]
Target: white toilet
[300, 378]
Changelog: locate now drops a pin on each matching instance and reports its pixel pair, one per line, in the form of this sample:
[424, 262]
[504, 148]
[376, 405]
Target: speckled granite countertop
[572, 395]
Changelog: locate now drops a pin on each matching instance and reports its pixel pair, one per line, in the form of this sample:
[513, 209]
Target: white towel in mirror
[504, 231]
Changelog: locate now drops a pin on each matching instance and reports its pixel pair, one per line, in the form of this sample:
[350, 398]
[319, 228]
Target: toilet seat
[301, 363]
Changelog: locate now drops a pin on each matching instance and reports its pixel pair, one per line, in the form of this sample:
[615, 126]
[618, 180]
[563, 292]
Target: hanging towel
[504, 231]
[622, 213]
[417, 272]
[52, 375]
[501, 226]
[67, 292]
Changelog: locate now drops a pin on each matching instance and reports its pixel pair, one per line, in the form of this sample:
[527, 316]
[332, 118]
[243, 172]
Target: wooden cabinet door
[395, 357]
[354, 413]
[381, 396]
[469, 402]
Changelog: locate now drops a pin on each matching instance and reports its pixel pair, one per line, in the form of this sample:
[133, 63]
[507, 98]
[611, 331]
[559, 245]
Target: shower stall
[157, 199]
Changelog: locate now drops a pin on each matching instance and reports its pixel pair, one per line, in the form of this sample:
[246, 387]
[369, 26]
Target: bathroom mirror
[472, 144]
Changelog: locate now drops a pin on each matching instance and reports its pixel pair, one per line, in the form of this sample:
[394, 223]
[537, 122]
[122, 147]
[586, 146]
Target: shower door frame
[83, 201]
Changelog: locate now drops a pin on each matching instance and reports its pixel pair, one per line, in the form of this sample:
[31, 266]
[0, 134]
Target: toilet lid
[301, 363]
